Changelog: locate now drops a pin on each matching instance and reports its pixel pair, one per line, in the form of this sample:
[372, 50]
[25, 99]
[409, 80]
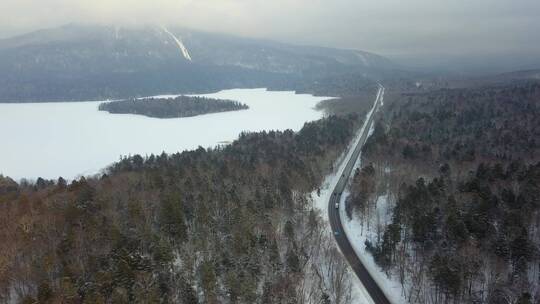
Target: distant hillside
[78, 62]
[520, 75]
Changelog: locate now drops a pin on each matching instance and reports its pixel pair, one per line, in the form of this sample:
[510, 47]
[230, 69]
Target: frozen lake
[71, 139]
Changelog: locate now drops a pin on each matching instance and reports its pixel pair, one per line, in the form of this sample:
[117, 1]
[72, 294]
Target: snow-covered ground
[320, 202]
[332, 179]
[357, 232]
[71, 138]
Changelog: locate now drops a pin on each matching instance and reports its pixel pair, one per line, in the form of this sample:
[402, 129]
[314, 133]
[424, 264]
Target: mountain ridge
[89, 62]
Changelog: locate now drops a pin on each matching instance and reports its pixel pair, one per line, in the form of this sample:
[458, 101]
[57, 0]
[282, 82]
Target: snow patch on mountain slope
[180, 44]
[363, 58]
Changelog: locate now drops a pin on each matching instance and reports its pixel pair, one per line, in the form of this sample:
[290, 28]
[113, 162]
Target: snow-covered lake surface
[71, 139]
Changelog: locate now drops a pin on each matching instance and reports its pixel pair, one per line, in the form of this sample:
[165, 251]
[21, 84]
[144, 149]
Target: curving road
[375, 292]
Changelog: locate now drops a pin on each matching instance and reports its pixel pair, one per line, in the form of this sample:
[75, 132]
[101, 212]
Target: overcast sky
[395, 28]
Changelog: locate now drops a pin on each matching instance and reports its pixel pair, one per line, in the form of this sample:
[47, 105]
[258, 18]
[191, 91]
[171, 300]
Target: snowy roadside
[354, 228]
[358, 293]
[320, 202]
[357, 233]
[331, 180]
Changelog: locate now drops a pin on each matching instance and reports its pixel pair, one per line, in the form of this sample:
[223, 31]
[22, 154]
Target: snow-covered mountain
[274, 56]
[93, 62]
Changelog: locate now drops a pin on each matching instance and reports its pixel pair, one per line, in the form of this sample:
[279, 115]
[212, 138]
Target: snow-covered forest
[448, 194]
[235, 224]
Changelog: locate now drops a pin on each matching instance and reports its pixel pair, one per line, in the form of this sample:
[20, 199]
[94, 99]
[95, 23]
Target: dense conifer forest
[461, 173]
[234, 224]
[181, 106]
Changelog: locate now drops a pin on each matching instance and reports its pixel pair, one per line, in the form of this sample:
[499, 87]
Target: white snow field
[73, 138]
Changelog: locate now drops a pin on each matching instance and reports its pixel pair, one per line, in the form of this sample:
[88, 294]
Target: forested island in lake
[181, 106]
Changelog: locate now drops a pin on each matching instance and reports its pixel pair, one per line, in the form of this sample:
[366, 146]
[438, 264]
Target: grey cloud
[397, 28]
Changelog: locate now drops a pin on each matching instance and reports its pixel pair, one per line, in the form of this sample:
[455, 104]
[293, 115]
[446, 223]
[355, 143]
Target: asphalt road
[375, 292]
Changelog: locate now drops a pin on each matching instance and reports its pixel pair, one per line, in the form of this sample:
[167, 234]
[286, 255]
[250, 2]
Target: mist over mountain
[461, 36]
[80, 62]
[471, 64]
